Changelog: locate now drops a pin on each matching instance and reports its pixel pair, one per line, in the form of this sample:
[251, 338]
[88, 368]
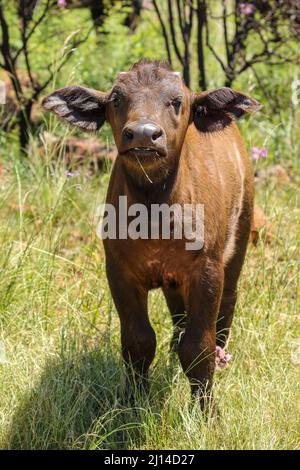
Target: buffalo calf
[175, 148]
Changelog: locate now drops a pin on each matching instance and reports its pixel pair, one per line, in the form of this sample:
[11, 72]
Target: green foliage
[62, 383]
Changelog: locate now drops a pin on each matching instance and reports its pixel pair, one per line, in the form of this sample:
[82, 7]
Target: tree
[180, 23]
[201, 22]
[133, 17]
[269, 25]
[31, 15]
[264, 23]
[99, 9]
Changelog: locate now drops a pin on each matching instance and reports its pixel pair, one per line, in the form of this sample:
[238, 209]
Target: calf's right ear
[81, 107]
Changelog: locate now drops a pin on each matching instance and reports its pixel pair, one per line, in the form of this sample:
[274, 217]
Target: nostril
[157, 134]
[128, 133]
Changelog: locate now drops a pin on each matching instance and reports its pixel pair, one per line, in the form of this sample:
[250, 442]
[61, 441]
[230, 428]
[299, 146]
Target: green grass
[62, 385]
[62, 380]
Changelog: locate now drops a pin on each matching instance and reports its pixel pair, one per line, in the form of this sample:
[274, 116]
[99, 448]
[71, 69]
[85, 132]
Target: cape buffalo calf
[175, 148]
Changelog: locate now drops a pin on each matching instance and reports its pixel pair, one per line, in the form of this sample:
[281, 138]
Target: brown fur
[201, 159]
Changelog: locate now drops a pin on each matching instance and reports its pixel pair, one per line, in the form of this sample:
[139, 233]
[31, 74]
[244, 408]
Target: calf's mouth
[145, 152]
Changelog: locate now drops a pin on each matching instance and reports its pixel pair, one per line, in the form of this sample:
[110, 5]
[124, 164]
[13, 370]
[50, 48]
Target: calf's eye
[115, 98]
[116, 101]
[176, 104]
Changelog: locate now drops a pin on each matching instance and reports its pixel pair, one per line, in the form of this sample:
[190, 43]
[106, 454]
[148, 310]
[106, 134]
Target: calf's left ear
[214, 110]
[81, 107]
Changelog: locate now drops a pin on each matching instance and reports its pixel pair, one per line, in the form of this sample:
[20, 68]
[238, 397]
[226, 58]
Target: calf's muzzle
[143, 135]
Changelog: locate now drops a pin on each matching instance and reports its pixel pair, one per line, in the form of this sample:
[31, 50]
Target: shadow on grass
[80, 403]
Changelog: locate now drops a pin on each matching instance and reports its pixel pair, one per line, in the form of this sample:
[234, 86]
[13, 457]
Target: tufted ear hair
[216, 109]
[81, 107]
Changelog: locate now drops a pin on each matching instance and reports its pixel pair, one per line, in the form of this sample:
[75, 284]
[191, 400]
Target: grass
[62, 380]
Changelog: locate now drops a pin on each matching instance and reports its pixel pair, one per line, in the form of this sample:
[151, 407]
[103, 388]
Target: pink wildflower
[62, 3]
[255, 153]
[264, 152]
[247, 8]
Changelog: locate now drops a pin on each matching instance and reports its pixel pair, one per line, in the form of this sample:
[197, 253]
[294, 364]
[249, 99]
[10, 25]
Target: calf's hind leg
[231, 276]
[198, 344]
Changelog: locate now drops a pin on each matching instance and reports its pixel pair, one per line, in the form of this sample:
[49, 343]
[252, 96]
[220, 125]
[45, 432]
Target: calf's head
[149, 109]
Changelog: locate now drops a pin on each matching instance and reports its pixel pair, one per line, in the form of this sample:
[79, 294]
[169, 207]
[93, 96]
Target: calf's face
[149, 109]
[149, 114]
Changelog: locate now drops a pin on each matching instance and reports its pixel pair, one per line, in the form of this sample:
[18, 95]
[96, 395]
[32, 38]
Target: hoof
[222, 358]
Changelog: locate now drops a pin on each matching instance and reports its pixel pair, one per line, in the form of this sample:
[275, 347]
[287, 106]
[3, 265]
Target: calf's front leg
[197, 347]
[137, 335]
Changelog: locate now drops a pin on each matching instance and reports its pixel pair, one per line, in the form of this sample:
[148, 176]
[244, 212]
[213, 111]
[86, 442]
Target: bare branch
[49, 4]
[225, 31]
[173, 33]
[164, 31]
[39, 89]
[212, 50]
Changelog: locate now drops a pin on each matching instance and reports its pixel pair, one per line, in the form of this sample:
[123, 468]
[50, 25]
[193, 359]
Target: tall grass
[62, 380]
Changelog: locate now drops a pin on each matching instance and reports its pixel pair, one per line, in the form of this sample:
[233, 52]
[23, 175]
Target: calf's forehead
[167, 84]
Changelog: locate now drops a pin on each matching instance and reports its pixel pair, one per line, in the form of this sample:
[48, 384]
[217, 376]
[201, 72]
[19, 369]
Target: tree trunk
[228, 82]
[201, 19]
[186, 70]
[133, 18]
[97, 9]
[25, 126]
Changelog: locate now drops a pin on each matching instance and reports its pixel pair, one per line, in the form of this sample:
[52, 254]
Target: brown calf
[174, 146]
